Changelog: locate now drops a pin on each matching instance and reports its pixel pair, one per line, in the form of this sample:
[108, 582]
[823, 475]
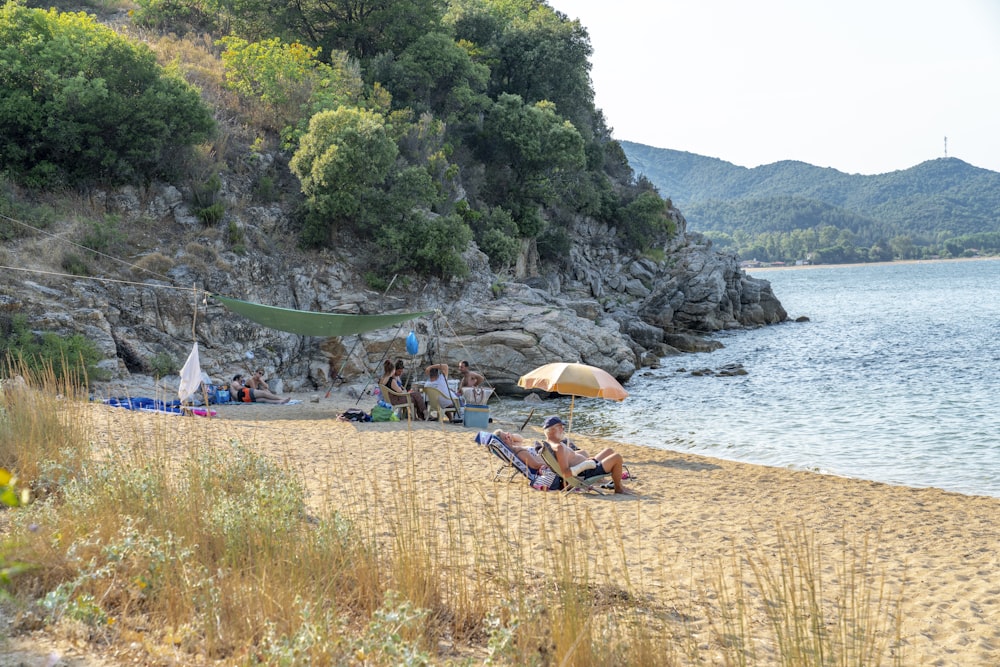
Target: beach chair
[509, 462]
[434, 397]
[398, 408]
[572, 483]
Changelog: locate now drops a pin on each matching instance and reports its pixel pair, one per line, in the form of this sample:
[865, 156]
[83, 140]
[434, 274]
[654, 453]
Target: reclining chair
[572, 483]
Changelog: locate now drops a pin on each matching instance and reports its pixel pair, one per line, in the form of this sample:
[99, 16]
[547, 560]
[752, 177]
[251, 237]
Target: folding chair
[572, 482]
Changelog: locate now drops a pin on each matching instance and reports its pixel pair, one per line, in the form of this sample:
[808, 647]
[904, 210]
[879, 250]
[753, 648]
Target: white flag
[190, 375]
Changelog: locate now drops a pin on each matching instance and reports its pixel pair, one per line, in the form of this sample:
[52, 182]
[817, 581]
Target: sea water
[894, 378]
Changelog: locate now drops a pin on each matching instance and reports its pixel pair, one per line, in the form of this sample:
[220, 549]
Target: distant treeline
[791, 211]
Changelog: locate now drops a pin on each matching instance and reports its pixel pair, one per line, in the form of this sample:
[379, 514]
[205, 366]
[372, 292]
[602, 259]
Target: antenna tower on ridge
[946, 146]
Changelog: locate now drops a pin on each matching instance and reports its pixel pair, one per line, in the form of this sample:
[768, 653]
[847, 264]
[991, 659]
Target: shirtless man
[256, 381]
[576, 463]
[470, 378]
[238, 390]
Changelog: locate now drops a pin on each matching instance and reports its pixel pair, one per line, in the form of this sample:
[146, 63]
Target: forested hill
[790, 210]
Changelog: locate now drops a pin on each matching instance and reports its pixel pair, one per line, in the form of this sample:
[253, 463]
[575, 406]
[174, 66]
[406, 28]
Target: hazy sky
[863, 86]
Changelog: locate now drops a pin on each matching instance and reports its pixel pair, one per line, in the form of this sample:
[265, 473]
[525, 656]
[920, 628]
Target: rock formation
[601, 307]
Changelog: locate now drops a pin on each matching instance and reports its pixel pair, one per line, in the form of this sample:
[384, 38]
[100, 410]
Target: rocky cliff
[599, 306]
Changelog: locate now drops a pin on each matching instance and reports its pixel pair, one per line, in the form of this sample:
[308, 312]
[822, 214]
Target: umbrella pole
[572, 398]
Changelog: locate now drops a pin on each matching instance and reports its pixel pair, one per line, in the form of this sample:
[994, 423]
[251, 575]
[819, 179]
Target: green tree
[289, 82]
[79, 103]
[363, 28]
[530, 151]
[436, 75]
[532, 51]
[343, 159]
[645, 220]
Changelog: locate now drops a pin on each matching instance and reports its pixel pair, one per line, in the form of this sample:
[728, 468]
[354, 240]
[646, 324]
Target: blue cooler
[476, 416]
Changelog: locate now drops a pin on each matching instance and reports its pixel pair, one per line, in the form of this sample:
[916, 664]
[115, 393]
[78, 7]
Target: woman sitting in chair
[528, 455]
[394, 393]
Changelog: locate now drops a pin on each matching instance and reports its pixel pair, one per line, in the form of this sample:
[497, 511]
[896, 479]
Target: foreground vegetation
[209, 551]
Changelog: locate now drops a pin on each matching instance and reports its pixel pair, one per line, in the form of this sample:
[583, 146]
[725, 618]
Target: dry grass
[204, 552]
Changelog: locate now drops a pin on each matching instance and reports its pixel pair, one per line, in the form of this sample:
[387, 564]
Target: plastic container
[476, 416]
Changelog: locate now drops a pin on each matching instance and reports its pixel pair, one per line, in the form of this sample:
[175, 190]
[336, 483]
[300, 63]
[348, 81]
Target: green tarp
[308, 323]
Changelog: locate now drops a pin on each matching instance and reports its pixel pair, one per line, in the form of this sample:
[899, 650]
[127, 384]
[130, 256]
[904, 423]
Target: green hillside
[789, 211]
[414, 126]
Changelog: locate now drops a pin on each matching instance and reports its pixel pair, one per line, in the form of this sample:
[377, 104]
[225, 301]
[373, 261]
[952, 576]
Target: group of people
[254, 389]
[436, 377]
[572, 460]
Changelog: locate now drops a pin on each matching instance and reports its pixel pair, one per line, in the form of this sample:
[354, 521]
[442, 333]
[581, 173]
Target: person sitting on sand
[390, 378]
[257, 382]
[244, 394]
[576, 463]
[528, 455]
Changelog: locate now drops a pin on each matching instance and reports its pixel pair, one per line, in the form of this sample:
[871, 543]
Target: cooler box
[476, 416]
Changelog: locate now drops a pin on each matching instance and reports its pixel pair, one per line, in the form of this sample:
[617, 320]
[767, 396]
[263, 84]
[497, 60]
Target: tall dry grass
[206, 551]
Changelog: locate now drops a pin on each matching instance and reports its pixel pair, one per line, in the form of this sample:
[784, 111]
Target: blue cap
[552, 421]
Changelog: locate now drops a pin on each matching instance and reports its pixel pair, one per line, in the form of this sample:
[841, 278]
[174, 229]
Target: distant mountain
[939, 207]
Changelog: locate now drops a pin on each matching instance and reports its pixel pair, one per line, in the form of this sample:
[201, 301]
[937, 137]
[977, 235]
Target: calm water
[896, 378]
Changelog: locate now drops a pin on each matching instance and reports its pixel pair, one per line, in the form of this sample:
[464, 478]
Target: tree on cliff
[79, 103]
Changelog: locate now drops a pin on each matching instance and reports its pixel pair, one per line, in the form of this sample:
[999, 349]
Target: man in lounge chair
[576, 463]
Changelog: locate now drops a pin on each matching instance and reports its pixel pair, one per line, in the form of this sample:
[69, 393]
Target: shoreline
[856, 264]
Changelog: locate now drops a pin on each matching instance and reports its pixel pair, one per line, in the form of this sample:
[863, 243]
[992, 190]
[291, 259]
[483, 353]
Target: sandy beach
[937, 551]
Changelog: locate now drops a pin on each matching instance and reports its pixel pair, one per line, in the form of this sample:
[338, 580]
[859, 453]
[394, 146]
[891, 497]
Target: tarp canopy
[309, 323]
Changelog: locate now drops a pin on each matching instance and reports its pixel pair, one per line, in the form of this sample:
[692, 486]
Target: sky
[863, 86]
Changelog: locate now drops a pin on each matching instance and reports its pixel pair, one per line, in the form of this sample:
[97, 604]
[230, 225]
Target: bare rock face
[600, 307]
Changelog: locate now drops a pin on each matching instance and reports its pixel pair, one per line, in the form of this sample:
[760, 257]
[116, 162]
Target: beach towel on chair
[541, 479]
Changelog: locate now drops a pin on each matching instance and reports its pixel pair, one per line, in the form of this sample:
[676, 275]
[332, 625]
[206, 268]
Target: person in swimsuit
[244, 394]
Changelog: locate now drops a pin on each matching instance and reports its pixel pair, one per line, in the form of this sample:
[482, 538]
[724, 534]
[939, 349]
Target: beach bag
[380, 414]
[354, 415]
[222, 394]
[476, 395]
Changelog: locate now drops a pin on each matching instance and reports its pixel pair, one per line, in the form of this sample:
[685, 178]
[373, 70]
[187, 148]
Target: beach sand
[936, 550]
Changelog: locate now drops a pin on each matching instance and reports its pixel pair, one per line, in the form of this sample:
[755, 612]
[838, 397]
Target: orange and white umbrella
[574, 380]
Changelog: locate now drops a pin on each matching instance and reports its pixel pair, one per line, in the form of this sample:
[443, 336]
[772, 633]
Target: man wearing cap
[573, 462]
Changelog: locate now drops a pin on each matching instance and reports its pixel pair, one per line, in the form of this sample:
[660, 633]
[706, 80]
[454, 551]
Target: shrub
[163, 364]
[211, 215]
[74, 264]
[103, 236]
[14, 212]
[68, 357]
[154, 263]
[82, 104]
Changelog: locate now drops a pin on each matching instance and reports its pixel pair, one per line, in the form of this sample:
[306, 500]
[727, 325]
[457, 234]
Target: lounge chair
[434, 397]
[398, 408]
[572, 482]
[510, 463]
